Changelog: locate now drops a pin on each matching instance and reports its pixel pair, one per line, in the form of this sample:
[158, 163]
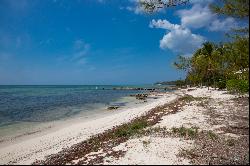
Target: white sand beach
[158, 150]
[37, 148]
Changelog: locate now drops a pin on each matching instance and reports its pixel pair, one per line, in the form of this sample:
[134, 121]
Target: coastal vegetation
[223, 65]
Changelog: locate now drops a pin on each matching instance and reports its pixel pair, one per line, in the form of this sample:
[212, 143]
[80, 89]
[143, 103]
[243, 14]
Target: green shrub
[243, 86]
[239, 86]
[187, 98]
[231, 85]
[221, 84]
[183, 131]
[130, 129]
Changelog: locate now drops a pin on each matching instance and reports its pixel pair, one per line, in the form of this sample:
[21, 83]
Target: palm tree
[207, 51]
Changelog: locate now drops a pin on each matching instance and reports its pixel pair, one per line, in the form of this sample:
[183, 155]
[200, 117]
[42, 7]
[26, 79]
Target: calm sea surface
[47, 103]
[22, 107]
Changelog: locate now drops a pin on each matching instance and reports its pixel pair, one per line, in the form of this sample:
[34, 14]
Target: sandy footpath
[37, 148]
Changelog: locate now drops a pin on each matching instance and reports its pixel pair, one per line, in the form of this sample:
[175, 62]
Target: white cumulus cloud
[196, 17]
[223, 25]
[177, 38]
[200, 16]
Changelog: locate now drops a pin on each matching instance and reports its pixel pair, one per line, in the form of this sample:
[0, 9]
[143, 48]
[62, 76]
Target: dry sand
[161, 150]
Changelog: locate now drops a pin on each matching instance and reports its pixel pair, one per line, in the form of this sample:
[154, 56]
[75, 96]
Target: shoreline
[173, 129]
[36, 129]
[51, 141]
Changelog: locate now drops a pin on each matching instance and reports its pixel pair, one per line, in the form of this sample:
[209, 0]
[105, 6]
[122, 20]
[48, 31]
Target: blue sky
[99, 41]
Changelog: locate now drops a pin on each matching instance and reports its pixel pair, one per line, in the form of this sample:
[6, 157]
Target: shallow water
[23, 109]
[47, 103]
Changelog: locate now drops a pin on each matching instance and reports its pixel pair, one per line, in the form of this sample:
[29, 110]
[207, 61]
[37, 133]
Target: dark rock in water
[113, 107]
[150, 89]
[130, 88]
[141, 96]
